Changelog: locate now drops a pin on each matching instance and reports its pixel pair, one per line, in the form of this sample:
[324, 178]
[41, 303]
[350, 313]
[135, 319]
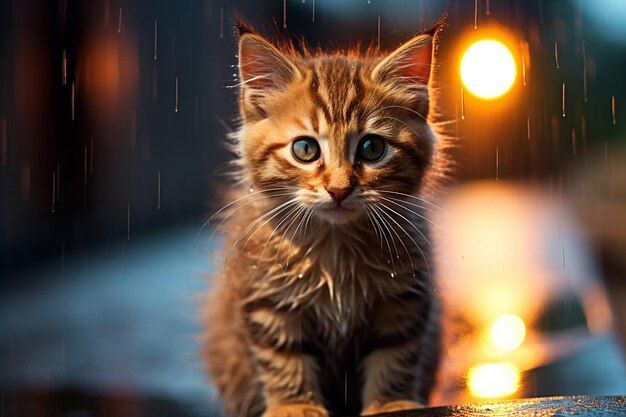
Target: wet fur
[308, 316]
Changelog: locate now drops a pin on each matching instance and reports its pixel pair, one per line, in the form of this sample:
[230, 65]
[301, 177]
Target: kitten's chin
[337, 214]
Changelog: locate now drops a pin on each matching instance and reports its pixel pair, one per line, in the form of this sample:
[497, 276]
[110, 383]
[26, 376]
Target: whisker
[409, 203]
[306, 224]
[409, 222]
[280, 243]
[402, 243]
[409, 210]
[399, 107]
[410, 237]
[410, 196]
[393, 265]
[216, 228]
[403, 122]
[376, 226]
[291, 241]
[206, 223]
[273, 213]
[282, 220]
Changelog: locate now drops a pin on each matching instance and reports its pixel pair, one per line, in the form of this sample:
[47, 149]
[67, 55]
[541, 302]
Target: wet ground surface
[113, 333]
[539, 407]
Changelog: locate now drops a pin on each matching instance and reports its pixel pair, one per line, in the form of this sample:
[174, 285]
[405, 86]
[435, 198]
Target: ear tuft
[242, 26]
[263, 71]
[410, 62]
[261, 65]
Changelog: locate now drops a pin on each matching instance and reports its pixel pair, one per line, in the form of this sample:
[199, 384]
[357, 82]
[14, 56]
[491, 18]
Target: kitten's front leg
[390, 380]
[287, 363]
[391, 369]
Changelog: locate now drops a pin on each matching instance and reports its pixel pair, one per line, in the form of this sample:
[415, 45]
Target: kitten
[325, 303]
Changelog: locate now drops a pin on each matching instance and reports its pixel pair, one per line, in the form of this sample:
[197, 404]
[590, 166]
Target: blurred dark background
[112, 121]
[114, 110]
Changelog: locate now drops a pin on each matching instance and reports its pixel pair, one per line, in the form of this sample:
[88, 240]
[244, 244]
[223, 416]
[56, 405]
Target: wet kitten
[325, 302]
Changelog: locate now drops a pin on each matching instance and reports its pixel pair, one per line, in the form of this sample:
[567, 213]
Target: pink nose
[339, 194]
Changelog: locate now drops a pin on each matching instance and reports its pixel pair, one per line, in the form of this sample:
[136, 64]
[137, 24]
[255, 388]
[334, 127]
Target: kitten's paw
[400, 405]
[296, 410]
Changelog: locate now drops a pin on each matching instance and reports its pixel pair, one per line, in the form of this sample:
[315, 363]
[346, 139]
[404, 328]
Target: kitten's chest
[337, 288]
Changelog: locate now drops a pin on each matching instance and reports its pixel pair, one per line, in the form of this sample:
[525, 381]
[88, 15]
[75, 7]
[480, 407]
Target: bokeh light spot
[493, 380]
[488, 69]
[508, 332]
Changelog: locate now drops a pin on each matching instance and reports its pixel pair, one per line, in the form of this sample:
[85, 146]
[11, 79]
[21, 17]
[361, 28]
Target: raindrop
[563, 99]
[378, 35]
[556, 54]
[128, 222]
[393, 274]
[487, 8]
[64, 67]
[524, 70]
[58, 193]
[300, 275]
[91, 157]
[107, 13]
[584, 72]
[159, 190]
[345, 389]
[284, 14]
[119, 22]
[528, 127]
[497, 163]
[475, 14]
[462, 103]
[176, 104]
[155, 39]
[221, 21]
[313, 18]
[574, 145]
[613, 109]
[251, 189]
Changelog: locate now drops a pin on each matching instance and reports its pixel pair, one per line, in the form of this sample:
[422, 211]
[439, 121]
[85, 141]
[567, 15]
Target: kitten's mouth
[338, 213]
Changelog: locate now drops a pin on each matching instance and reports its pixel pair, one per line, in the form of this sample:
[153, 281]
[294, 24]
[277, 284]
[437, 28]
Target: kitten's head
[337, 133]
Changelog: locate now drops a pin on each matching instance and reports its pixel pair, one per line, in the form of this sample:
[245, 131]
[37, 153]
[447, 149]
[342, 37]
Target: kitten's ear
[263, 70]
[411, 62]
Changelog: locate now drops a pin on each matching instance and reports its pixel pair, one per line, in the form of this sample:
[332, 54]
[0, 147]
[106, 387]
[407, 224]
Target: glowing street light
[493, 380]
[508, 332]
[488, 69]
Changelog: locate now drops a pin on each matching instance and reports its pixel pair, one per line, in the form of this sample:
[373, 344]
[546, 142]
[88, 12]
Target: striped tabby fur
[319, 310]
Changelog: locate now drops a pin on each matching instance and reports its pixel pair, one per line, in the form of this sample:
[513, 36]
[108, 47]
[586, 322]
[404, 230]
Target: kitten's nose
[339, 194]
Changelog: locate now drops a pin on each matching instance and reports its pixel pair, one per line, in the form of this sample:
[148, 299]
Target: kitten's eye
[305, 149]
[371, 148]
